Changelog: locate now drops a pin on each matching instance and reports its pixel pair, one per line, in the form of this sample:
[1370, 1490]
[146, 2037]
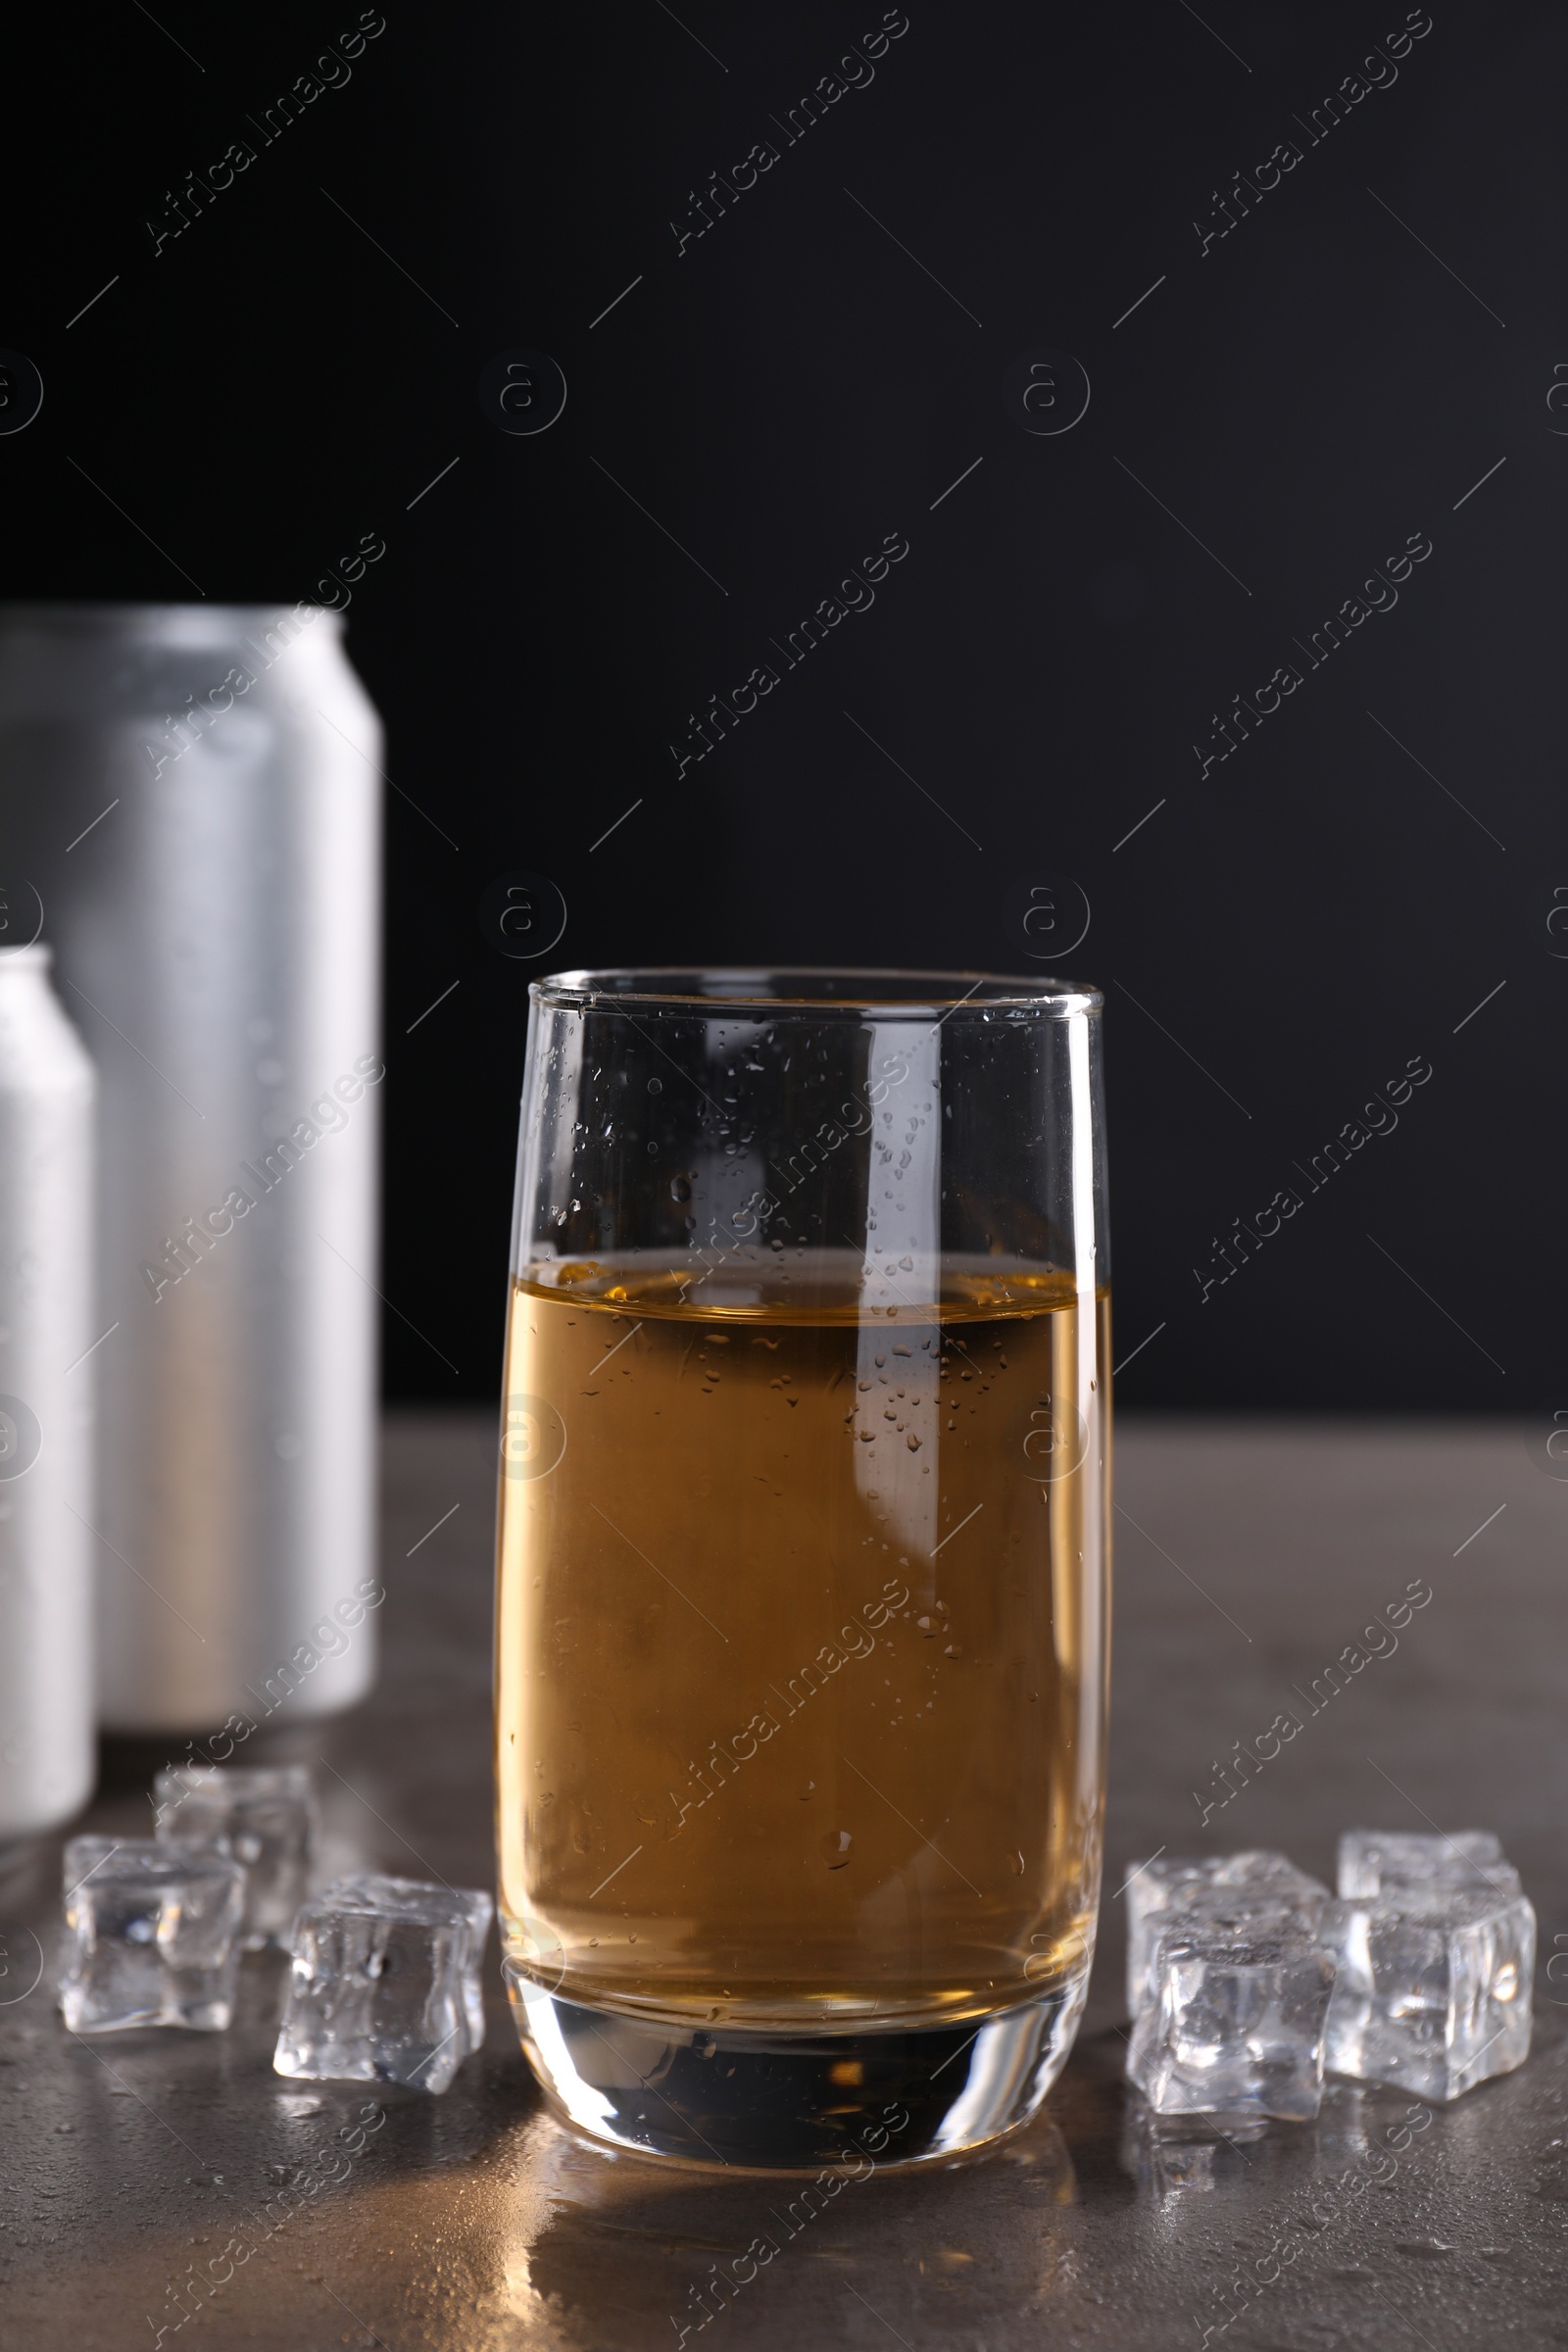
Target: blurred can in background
[190, 808]
[47, 1747]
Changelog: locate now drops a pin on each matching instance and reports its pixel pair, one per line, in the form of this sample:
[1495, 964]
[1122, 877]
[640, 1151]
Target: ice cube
[1171, 2153]
[385, 1982]
[152, 1935]
[1434, 1987]
[1172, 1882]
[264, 1815]
[1235, 2017]
[1373, 1859]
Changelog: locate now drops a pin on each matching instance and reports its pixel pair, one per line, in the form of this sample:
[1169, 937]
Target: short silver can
[47, 1747]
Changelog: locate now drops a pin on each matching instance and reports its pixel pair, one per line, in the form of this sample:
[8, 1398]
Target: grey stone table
[1250, 1557]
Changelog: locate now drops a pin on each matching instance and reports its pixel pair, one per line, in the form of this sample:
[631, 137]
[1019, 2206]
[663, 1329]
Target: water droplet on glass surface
[835, 1849]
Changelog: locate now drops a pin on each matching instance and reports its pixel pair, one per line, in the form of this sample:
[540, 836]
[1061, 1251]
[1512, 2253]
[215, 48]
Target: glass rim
[780, 989]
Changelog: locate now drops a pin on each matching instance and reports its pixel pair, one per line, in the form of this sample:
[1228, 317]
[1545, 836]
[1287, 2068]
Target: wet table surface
[1249, 1558]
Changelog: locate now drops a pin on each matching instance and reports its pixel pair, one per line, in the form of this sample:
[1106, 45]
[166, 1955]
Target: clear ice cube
[1234, 2022]
[152, 1935]
[1182, 2153]
[1173, 1882]
[264, 1815]
[385, 1985]
[1434, 1987]
[1373, 1859]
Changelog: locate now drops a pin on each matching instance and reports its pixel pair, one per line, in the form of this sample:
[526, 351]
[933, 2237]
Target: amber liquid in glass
[802, 1640]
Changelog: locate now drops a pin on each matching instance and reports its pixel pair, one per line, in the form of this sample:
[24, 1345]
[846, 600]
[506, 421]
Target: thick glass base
[794, 2101]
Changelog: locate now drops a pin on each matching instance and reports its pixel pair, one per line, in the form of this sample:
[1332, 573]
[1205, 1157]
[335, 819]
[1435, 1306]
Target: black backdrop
[1291, 375]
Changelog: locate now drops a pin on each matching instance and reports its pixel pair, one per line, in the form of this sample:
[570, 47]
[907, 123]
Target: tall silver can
[190, 804]
[47, 1746]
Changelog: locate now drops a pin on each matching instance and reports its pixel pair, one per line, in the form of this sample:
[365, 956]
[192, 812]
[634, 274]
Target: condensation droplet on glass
[835, 1849]
[1017, 1866]
[679, 1189]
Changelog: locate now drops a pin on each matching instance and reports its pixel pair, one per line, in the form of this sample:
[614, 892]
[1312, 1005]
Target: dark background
[1280, 938]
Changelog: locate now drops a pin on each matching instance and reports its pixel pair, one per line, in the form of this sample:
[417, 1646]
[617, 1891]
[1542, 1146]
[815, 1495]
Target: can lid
[163, 625]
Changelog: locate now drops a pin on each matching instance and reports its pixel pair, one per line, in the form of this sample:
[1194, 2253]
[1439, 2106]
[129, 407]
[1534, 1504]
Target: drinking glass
[804, 1555]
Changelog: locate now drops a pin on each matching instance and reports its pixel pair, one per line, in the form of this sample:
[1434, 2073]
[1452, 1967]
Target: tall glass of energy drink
[804, 1558]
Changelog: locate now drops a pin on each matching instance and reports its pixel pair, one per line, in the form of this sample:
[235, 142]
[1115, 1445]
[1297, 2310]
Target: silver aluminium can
[190, 805]
[47, 1744]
